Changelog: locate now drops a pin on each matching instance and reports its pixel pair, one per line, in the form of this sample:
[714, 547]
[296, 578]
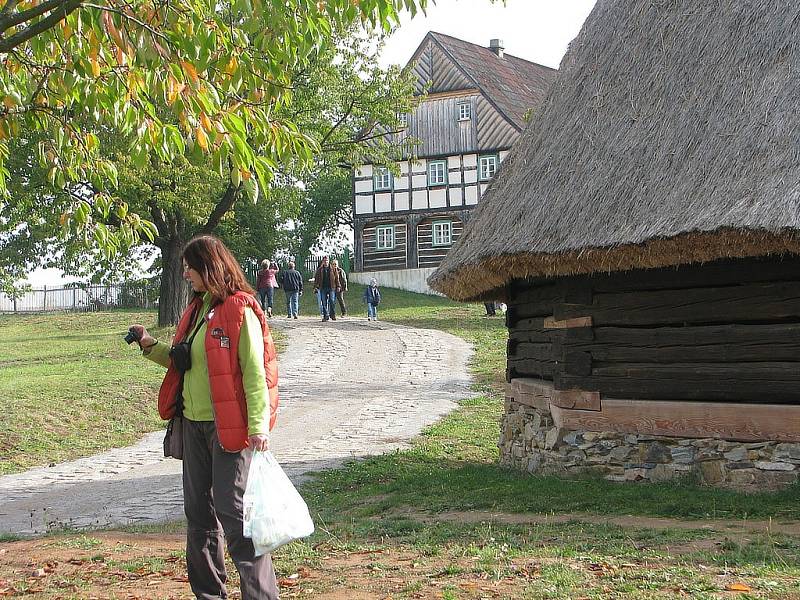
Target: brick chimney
[496, 46]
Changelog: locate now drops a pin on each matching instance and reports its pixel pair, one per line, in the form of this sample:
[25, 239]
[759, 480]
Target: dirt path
[348, 388]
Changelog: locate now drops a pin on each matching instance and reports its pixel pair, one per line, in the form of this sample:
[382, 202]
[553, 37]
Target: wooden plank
[529, 393]
[553, 323]
[739, 422]
[577, 399]
[740, 304]
[518, 350]
[773, 383]
[704, 344]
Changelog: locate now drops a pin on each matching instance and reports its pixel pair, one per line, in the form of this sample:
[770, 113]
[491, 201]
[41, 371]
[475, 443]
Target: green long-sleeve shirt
[197, 405]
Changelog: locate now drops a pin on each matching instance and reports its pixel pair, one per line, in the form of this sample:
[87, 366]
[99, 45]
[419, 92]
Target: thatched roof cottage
[644, 232]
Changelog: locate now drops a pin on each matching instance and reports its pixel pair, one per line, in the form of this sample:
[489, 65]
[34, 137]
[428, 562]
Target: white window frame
[444, 240]
[382, 240]
[482, 175]
[443, 172]
[464, 111]
[382, 179]
[403, 119]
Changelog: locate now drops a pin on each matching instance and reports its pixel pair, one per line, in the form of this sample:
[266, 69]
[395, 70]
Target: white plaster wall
[471, 195]
[364, 185]
[412, 280]
[453, 162]
[365, 171]
[363, 204]
[438, 198]
[383, 202]
[470, 160]
[401, 183]
[401, 201]
[419, 199]
[456, 197]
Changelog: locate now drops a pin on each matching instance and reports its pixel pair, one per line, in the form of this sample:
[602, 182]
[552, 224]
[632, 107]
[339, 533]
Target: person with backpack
[372, 296]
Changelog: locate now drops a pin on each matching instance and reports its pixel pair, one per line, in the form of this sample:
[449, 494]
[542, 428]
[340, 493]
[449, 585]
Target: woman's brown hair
[220, 271]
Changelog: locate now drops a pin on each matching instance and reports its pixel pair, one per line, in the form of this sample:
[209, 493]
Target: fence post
[74, 299]
[44, 301]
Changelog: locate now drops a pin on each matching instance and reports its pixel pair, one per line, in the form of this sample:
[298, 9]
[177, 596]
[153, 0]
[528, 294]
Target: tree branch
[27, 15]
[48, 22]
[222, 207]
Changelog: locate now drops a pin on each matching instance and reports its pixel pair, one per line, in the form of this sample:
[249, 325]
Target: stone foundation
[530, 441]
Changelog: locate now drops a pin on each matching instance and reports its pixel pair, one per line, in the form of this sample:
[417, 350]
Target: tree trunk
[174, 294]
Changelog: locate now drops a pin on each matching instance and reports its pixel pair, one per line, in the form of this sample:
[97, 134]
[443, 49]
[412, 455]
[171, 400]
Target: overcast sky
[536, 30]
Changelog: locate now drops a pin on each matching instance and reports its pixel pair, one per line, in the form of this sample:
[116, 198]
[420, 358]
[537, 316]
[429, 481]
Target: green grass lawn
[71, 387]
[75, 388]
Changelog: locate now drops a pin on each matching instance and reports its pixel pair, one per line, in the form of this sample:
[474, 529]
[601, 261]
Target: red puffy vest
[224, 324]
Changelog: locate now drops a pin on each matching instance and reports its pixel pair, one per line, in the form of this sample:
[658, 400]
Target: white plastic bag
[274, 512]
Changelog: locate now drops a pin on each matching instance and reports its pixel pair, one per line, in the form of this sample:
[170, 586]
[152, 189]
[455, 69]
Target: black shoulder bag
[182, 360]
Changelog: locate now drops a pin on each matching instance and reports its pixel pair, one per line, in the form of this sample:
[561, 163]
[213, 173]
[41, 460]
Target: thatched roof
[670, 136]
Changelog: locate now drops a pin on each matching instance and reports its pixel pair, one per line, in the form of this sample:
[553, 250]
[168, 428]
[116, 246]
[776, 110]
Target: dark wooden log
[529, 367]
[777, 383]
[518, 350]
[710, 344]
[762, 302]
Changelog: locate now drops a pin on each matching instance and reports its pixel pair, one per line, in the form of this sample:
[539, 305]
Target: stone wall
[530, 441]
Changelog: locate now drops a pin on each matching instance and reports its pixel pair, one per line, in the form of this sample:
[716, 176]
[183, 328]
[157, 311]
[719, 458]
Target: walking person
[372, 296]
[490, 309]
[326, 280]
[342, 286]
[292, 283]
[229, 393]
[266, 283]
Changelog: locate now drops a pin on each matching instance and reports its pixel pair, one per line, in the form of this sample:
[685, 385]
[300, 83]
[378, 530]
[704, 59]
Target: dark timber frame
[695, 351]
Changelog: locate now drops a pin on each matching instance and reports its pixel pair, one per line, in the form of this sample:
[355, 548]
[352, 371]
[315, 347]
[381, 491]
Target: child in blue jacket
[372, 296]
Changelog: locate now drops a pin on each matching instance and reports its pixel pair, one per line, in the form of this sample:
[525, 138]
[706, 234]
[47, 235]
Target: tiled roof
[513, 84]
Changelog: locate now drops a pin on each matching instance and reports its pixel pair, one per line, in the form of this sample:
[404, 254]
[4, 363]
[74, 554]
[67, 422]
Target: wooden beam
[553, 323]
[738, 422]
[540, 394]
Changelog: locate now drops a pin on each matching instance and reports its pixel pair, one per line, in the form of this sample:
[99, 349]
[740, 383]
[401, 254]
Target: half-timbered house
[645, 235]
[476, 103]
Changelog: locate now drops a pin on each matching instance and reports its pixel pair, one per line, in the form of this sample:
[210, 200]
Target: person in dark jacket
[372, 296]
[292, 283]
[326, 280]
[342, 286]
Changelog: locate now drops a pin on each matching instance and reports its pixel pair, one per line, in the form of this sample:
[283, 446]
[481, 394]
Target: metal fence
[79, 297]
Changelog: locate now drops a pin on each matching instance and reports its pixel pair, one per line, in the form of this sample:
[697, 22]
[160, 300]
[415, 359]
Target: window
[384, 237]
[383, 179]
[437, 172]
[488, 165]
[442, 233]
[464, 111]
[403, 120]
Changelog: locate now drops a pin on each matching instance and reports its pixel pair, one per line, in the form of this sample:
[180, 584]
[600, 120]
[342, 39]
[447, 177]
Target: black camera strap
[197, 325]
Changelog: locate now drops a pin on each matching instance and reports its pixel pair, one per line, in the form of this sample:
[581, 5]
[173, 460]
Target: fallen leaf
[738, 587]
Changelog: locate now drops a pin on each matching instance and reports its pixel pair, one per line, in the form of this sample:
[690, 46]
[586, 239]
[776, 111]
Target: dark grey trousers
[213, 486]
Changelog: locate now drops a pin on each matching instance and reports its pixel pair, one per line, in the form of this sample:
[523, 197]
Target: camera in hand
[132, 336]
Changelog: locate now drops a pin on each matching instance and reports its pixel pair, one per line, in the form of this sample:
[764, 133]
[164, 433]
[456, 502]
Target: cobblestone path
[348, 389]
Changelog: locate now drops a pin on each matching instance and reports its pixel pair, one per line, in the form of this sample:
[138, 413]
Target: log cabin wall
[708, 352]
[430, 254]
[394, 257]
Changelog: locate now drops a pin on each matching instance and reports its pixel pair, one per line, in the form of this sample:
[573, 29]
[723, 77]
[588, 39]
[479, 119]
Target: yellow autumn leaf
[201, 137]
[189, 69]
[95, 66]
[738, 587]
[205, 122]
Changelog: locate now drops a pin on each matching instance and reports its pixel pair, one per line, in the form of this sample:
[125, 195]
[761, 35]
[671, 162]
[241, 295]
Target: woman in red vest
[229, 398]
